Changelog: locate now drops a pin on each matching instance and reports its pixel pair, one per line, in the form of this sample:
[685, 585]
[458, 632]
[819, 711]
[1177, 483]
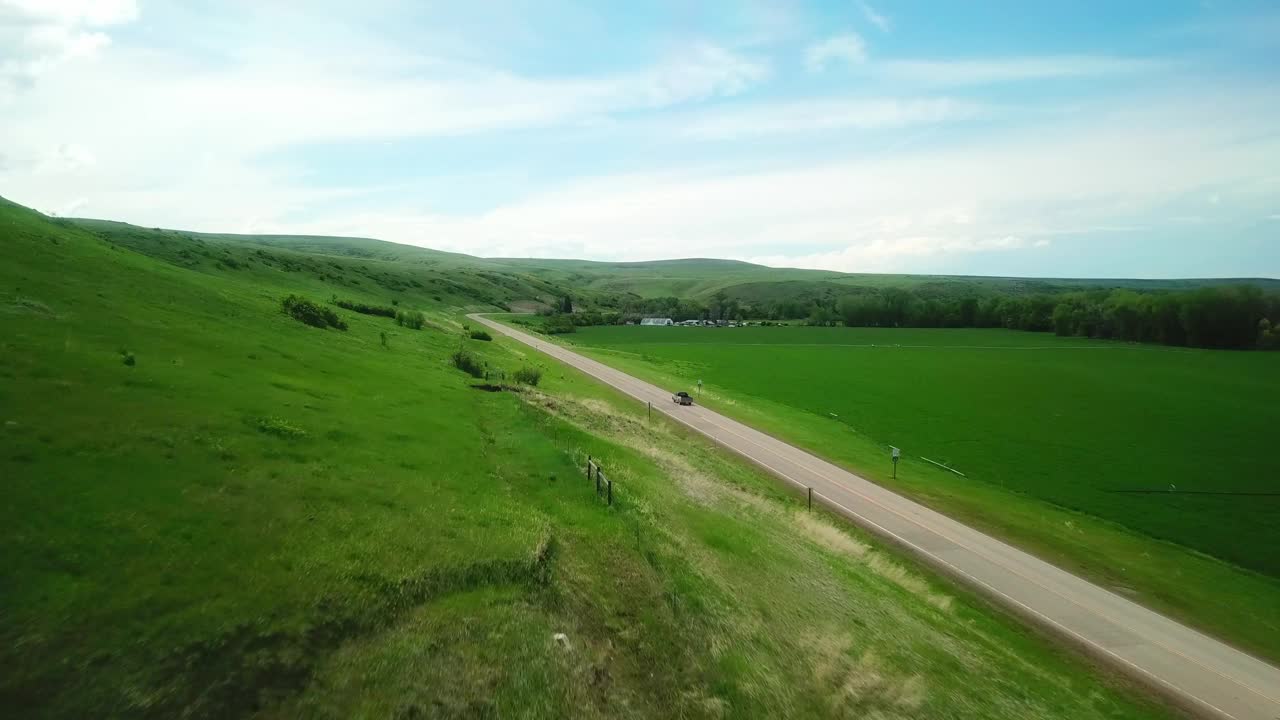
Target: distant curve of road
[1199, 673]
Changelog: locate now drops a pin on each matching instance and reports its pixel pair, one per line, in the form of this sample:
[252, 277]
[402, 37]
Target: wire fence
[604, 486]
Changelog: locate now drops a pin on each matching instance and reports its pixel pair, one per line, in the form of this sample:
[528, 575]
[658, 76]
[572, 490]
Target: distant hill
[464, 279]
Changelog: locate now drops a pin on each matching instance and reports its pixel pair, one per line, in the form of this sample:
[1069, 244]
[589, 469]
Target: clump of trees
[311, 313]
[481, 335]
[559, 324]
[364, 309]
[412, 319]
[1211, 317]
[900, 307]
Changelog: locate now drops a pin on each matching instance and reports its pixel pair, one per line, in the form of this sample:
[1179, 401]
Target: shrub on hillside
[528, 376]
[468, 363]
[412, 319]
[558, 325]
[311, 313]
[364, 309]
[481, 335]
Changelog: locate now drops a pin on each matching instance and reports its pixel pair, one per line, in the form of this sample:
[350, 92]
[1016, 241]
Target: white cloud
[881, 254]
[156, 103]
[800, 117]
[71, 208]
[700, 72]
[38, 36]
[847, 48]
[997, 70]
[65, 159]
[1012, 192]
[70, 12]
[875, 18]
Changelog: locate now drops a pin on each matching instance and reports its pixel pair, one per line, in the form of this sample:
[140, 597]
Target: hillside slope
[500, 281]
[216, 511]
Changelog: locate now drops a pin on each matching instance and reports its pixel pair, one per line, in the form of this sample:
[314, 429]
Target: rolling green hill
[213, 510]
[497, 282]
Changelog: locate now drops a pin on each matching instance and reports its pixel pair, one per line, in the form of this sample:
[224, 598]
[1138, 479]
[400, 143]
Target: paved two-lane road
[1201, 674]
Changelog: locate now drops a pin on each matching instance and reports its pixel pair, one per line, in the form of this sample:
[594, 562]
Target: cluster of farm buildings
[665, 322]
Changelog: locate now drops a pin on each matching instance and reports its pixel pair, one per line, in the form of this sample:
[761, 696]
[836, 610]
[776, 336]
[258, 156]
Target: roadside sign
[896, 454]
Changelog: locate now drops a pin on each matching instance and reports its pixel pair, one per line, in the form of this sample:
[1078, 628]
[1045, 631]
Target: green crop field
[1036, 423]
[213, 510]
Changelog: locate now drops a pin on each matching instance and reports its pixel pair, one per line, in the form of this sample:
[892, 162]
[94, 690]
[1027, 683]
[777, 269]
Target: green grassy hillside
[1069, 446]
[700, 279]
[337, 265]
[498, 282]
[213, 510]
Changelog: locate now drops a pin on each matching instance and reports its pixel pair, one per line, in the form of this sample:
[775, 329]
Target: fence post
[597, 483]
[610, 492]
[810, 498]
[588, 467]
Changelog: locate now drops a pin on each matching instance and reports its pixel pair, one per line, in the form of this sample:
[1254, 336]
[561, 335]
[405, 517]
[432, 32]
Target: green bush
[364, 309]
[481, 335]
[127, 358]
[528, 376]
[558, 325]
[468, 363]
[412, 319]
[311, 313]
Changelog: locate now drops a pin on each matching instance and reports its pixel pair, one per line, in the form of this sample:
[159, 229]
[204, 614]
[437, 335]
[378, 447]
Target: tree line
[1237, 317]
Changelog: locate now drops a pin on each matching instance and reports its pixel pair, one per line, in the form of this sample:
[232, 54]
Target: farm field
[1045, 429]
[214, 511]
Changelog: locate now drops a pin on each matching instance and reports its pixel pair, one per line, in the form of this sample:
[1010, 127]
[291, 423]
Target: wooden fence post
[811, 498]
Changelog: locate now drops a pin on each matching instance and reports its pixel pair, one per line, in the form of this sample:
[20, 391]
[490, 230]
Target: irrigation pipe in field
[944, 467]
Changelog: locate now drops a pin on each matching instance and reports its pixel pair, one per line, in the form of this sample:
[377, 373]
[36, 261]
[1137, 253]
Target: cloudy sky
[1064, 138]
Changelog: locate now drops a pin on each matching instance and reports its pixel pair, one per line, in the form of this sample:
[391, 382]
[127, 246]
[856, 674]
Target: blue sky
[1052, 139]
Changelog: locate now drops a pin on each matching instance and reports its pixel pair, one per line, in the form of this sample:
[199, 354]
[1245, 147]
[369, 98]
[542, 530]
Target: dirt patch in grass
[867, 688]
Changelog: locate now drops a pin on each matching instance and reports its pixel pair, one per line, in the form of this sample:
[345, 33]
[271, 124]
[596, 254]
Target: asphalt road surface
[1197, 672]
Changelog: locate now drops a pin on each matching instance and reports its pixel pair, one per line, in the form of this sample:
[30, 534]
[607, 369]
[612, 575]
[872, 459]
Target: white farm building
[657, 321]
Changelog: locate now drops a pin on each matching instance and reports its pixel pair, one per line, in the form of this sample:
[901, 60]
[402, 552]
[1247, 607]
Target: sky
[1063, 139]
